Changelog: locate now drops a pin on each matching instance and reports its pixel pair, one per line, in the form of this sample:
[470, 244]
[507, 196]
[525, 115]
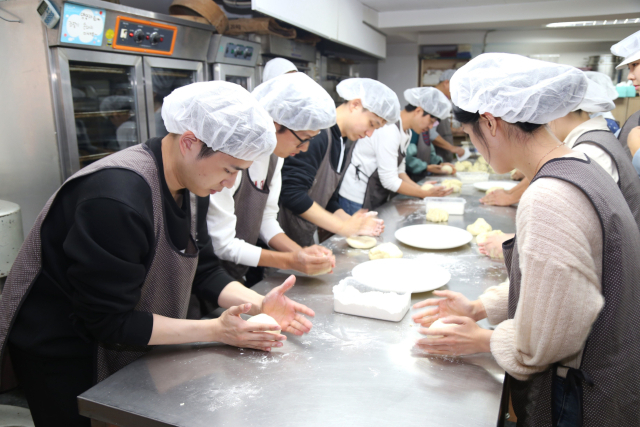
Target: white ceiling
[412, 20]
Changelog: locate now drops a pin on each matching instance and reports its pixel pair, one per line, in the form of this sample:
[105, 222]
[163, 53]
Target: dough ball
[447, 169]
[437, 215]
[385, 250]
[479, 227]
[492, 189]
[361, 242]
[482, 237]
[479, 167]
[481, 160]
[265, 318]
[460, 166]
[427, 186]
[452, 183]
[439, 324]
[466, 164]
[325, 271]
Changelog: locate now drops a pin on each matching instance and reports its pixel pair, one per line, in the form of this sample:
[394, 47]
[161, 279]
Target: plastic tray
[453, 205]
[470, 177]
[374, 312]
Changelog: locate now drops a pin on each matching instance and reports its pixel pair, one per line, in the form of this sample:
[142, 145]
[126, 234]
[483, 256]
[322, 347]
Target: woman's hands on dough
[451, 304]
[464, 338]
[312, 260]
[362, 223]
[492, 247]
[437, 169]
[288, 313]
[499, 198]
[437, 191]
[231, 329]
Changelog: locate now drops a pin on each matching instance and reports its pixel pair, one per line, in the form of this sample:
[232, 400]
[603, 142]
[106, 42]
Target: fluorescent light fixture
[594, 23]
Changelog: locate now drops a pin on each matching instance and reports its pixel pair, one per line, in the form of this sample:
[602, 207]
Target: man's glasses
[302, 141]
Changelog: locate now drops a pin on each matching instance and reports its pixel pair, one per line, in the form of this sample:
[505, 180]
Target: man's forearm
[283, 243]
[323, 218]
[167, 331]
[409, 188]
[275, 259]
[235, 293]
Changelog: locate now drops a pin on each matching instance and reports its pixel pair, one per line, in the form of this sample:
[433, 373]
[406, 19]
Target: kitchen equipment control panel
[144, 36]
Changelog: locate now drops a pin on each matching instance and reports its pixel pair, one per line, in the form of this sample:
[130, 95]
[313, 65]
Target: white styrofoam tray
[471, 177]
[371, 311]
[453, 205]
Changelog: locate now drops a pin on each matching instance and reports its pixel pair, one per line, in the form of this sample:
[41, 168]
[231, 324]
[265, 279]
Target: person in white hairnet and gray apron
[566, 331]
[247, 212]
[377, 168]
[629, 136]
[277, 67]
[309, 197]
[108, 268]
[442, 135]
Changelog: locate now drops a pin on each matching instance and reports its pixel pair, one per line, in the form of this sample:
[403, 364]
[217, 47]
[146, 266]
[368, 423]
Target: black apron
[325, 183]
[250, 202]
[632, 122]
[629, 181]
[375, 194]
[166, 287]
[609, 373]
[444, 130]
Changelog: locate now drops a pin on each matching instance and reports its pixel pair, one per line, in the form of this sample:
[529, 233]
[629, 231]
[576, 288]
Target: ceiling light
[594, 23]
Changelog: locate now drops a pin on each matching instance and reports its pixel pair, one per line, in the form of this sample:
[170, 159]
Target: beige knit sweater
[560, 246]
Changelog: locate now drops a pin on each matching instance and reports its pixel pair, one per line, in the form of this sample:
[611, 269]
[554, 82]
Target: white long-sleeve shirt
[221, 217]
[560, 248]
[593, 151]
[379, 151]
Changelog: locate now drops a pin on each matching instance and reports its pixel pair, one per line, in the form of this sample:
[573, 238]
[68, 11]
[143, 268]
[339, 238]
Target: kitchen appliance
[111, 66]
[606, 64]
[233, 60]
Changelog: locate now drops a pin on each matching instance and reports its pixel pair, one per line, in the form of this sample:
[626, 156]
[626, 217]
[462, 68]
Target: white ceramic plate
[484, 186]
[430, 236]
[401, 275]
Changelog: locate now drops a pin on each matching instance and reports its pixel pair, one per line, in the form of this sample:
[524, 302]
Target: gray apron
[375, 194]
[629, 182]
[166, 287]
[424, 150]
[609, 373]
[250, 202]
[632, 122]
[325, 183]
[444, 130]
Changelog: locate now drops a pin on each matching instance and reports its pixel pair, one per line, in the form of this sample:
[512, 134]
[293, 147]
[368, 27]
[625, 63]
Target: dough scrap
[427, 186]
[437, 215]
[361, 242]
[385, 250]
[492, 189]
[447, 169]
[482, 237]
[452, 183]
[265, 318]
[439, 324]
[479, 227]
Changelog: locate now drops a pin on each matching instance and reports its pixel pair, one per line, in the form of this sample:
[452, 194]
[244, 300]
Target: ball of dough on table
[265, 318]
[385, 250]
[447, 169]
[492, 189]
[437, 215]
[482, 160]
[459, 166]
[439, 324]
[482, 237]
[478, 227]
[361, 242]
[456, 184]
[427, 186]
[325, 271]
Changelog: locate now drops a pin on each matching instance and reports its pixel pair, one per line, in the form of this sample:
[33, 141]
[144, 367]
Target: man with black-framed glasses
[242, 216]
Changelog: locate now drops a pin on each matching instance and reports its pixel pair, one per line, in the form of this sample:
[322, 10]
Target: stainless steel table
[348, 371]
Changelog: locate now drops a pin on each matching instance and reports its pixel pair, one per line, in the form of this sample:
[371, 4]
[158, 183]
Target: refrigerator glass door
[244, 76]
[102, 107]
[165, 76]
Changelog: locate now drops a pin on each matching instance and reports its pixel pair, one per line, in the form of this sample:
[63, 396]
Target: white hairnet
[375, 97]
[596, 99]
[224, 116]
[517, 89]
[277, 67]
[430, 99]
[603, 80]
[628, 48]
[114, 103]
[446, 75]
[297, 102]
